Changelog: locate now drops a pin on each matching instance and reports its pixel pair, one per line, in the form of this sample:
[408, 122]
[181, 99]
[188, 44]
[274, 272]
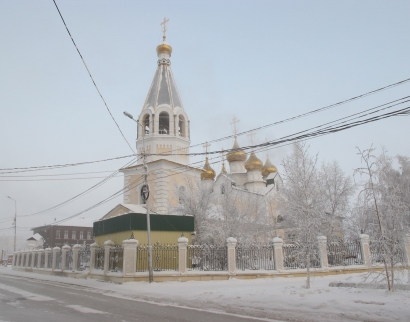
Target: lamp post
[15, 221]
[145, 196]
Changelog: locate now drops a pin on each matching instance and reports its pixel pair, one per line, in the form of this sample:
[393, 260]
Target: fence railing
[294, 257]
[99, 258]
[116, 259]
[69, 260]
[84, 258]
[378, 252]
[207, 258]
[255, 257]
[50, 260]
[35, 259]
[42, 259]
[58, 260]
[344, 253]
[164, 257]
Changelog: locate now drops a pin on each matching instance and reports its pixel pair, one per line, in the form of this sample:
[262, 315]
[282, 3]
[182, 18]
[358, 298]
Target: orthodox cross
[251, 135]
[234, 122]
[164, 28]
[206, 146]
[222, 155]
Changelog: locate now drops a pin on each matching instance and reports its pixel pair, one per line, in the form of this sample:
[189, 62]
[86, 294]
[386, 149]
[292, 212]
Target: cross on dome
[251, 135]
[206, 146]
[233, 123]
[164, 28]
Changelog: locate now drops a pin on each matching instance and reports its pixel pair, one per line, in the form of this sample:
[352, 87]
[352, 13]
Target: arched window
[222, 189]
[163, 123]
[181, 126]
[145, 124]
[181, 192]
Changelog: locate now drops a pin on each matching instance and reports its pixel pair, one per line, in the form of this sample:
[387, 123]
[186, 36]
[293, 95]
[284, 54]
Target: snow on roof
[36, 237]
[139, 209]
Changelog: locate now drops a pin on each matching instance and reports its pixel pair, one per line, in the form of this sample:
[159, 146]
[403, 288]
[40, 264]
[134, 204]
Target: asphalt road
[31, 300]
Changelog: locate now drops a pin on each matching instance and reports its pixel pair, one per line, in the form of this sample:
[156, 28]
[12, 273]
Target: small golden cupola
[236, 153]
[268, 168]
[209, 173]
[253, 163]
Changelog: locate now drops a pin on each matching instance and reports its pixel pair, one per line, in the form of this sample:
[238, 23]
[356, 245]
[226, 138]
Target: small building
[74, 231]
[127, 220]
[34, 242]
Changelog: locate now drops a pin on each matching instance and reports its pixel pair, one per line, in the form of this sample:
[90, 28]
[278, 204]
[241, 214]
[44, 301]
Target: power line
[55, 175]
[37, 180]
[92, 79]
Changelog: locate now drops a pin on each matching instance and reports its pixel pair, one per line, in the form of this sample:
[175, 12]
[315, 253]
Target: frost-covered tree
[302, 202]
[382, 208]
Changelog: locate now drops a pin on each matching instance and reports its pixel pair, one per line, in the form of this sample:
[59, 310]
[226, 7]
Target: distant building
[58, 235]
[34, 242]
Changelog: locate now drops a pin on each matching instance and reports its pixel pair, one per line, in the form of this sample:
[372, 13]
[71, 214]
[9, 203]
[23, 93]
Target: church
[163, 134]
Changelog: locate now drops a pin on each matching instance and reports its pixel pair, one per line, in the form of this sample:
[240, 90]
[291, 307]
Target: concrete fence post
[40, 254]
[93, 246]
[64, 250]
[365, 249]
[182, 254]
[107, 246]
[278, 253]
[129, 258]
[56, 250]
[231, 248]
[322, 245]
[407, 249]
[76, 250]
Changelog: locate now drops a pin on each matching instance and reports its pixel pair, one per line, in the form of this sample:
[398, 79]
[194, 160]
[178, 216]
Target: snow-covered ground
[278, 298]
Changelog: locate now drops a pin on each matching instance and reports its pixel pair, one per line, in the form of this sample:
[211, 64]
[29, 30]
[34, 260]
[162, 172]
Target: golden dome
[209, 173]
[164, 48]
[236, 153]
[268, 168]
[253, 163]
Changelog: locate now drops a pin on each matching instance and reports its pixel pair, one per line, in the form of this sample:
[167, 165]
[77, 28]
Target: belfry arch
[163, 123]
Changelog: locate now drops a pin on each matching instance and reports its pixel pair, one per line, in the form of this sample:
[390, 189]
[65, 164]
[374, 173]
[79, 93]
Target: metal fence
[84, 258]
[378, 253]
[294, 256]
[58, 260]
[99, 258]
[42, 259]
[344, 253]
[116, 259]
[207, 258]
[50, 260]
[69, 260]
[24, 260]
[164, 257]
[30, 257]
[255, 257]
[35, 260]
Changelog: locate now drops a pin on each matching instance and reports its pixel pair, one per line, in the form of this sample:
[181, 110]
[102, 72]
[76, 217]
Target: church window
[73, 234]
[65, 234]
[181, 194]
[223, 189]
[181, 126]
[145, 124]
[58, 236]
[81, 235]
[163, 123]
[88, 234]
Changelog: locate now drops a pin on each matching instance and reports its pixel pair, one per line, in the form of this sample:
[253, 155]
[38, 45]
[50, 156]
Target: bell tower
[165, 125]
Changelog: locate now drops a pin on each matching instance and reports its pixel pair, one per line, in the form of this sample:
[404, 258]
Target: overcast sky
[262, 61]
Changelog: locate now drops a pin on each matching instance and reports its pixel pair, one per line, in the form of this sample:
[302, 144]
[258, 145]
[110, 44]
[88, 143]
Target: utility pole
[145, 196]
[15, 222]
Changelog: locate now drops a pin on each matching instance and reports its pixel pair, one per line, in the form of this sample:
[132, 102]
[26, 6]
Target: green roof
[133, 221]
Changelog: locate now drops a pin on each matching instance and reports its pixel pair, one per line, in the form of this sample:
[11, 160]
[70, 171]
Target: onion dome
[236, 153]
[268, 168]
[164, 48]
[209, 173]
[253, 163]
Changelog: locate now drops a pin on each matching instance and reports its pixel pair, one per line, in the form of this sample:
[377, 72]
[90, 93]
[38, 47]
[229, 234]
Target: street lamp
[15, 221]
[145, 196]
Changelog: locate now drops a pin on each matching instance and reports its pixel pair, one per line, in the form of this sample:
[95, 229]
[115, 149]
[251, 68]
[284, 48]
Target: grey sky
[262, 61]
